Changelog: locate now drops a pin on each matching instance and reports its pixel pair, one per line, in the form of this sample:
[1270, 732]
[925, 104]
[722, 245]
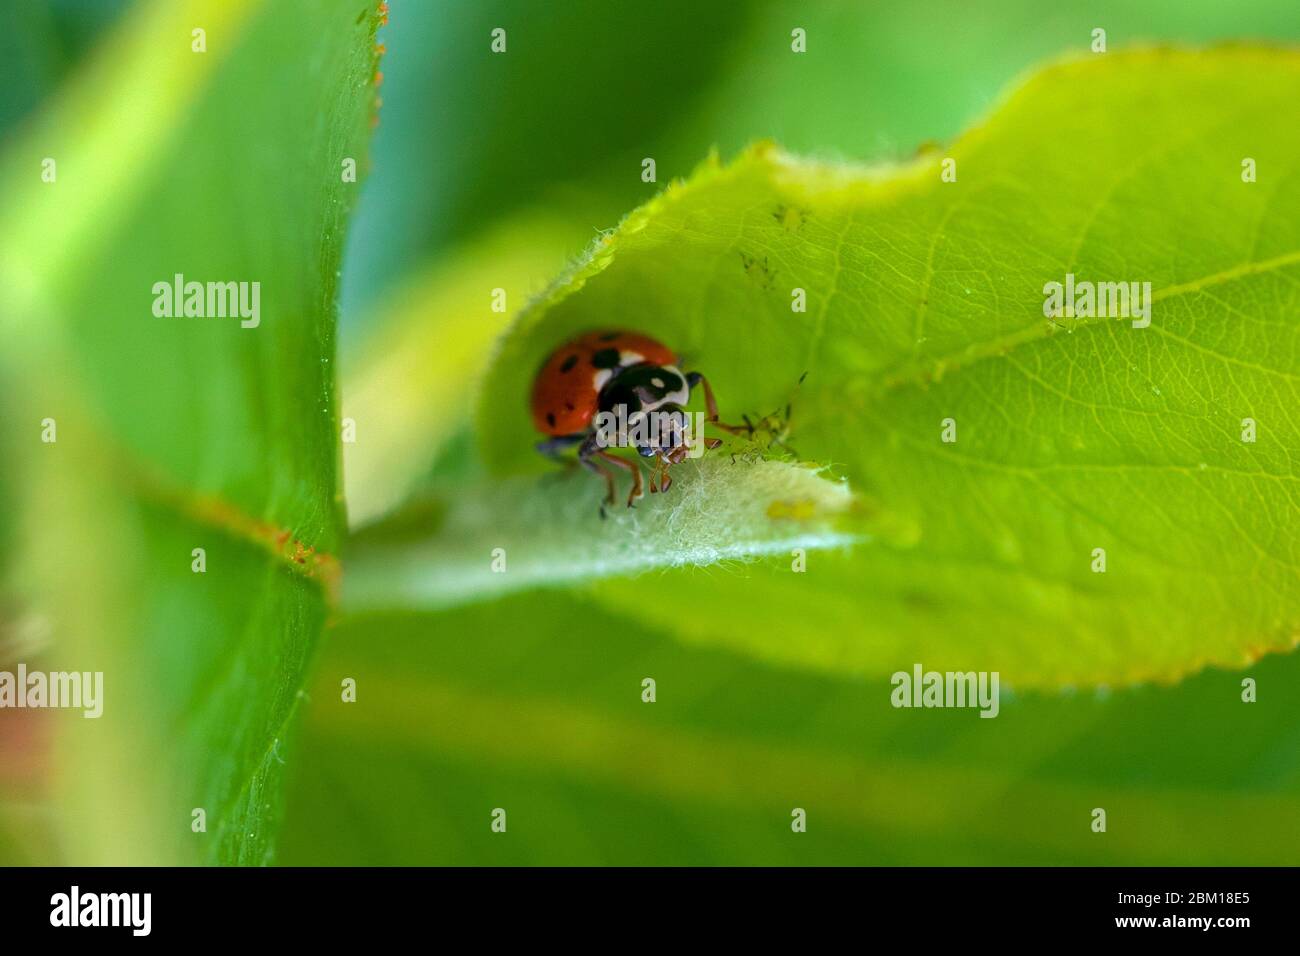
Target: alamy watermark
[209, 300]
[922, 688]
[73, 690]
[652, 431]
[75, 908]
[1086, 300]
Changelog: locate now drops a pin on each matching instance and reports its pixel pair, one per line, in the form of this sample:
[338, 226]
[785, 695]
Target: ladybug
[624, 377]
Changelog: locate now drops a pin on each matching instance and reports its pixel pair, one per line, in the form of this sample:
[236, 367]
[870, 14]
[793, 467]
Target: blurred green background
[532, 703]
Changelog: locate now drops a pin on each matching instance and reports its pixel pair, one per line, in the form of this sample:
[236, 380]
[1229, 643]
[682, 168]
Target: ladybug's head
[673, 434]
[649, 399]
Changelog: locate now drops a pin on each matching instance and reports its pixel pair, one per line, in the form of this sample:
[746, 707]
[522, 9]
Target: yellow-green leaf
[925, 321]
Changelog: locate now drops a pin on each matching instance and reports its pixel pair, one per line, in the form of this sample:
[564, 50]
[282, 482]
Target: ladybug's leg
[674, 457]
[659, 480]
[631, 466]
[587, 455]
[711, 405]
[552, 447]
[599, 469]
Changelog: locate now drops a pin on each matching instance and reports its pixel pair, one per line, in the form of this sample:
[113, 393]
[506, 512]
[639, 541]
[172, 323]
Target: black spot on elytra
[605, 358]
[550, 419]
[569, 362]
[609, 336]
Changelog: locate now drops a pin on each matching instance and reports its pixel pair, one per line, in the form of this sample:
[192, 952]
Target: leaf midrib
[922, 372]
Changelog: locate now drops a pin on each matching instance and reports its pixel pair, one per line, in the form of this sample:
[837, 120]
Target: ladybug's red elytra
[612, 375]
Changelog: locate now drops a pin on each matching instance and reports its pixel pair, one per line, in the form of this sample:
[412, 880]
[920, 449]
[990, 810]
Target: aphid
[630, 377]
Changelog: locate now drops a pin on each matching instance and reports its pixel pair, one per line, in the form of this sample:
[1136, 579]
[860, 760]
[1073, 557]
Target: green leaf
[926, 302]
[408, 395]
[175, 434]
[534, 704]
[499, 537]
[877, 79]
